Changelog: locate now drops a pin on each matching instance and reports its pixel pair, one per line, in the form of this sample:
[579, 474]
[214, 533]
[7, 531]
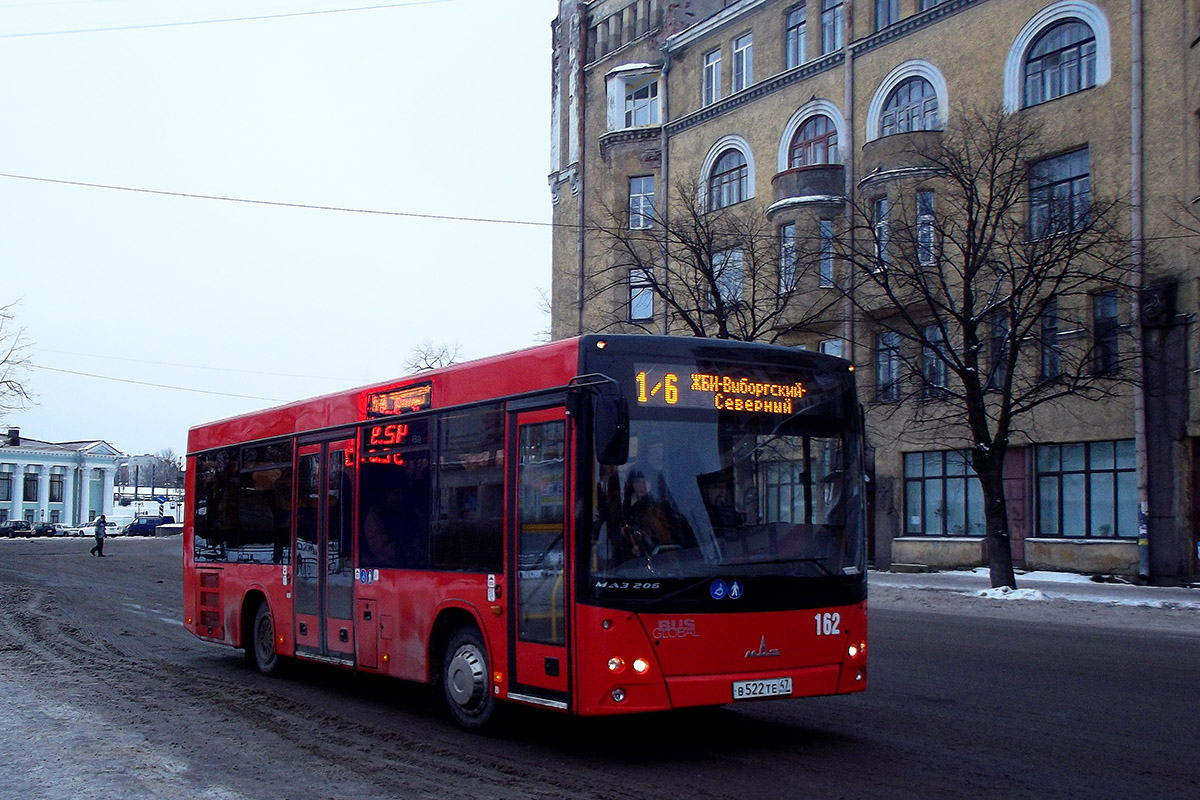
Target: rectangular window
[880, 223]
[998, 353]
[5, 487]
[56, 487]
[641, 296]
[712, 77]
[826, 245]
[56, 516]
[831, 347]
[641, 102]
[395, 498]
[468, 531]
[31, 489]
[729, 274]
[1106, 328]
[1087, 489]
[887, 12]
[926, 230]
[925, 5]
[787, 258]
[743, 62]
[641, 202]
[796, 29]
[244, 504]
[1049, 342]
[942, 495]
[933, 361]
[1059, 194]
[833, 35]
[887, 367]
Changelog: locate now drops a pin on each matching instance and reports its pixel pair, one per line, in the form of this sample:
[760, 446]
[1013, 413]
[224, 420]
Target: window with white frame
[911, 106]
[833, 35]
[1050, 352]
[728, 184]
[641, 296]
[712, 77]
[831, 347]
[1059, 194]
[787, 258]
[1061, 61]
[641, 101]
[925, 5]
[729, 274]
[5, 487]
[743, 62]
[30, 492]
[56, 487]
[795, 30]
[1087, 489]
[887, 367]
[825, 266]
[641, 202]
[926, 230]
[998, 352]
[942, 495]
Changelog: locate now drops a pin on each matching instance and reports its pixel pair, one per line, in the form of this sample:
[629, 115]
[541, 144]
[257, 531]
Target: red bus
[602, 525]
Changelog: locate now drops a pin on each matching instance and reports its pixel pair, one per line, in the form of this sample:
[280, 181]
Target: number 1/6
[668, 386]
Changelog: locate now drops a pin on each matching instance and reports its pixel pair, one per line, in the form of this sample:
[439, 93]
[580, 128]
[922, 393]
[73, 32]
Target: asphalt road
[103, 694]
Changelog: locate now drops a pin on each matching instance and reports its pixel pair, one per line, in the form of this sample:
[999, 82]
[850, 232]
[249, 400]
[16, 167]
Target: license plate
[768, 687]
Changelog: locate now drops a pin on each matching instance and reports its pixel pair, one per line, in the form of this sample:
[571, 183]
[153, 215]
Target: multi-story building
[67, 482]
[811, 118]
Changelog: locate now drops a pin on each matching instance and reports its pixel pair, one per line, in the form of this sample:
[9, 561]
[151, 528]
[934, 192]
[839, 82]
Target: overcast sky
[436, 107]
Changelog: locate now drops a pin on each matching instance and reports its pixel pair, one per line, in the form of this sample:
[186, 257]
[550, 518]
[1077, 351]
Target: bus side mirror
[611, 424]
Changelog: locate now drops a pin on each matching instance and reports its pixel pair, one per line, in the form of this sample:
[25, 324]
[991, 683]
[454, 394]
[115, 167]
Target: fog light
[618, 695]
[859, 676]
[640, 665]
[616, 664]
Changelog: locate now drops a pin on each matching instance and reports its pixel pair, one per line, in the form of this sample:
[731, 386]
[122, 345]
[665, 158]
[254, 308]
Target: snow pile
[1006, 593]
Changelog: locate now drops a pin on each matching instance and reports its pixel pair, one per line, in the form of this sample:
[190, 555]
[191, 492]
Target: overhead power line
[281, 204]
[155, 385]
[223, 20]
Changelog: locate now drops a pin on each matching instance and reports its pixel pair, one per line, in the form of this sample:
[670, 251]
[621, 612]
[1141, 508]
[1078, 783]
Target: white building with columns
[67, 482]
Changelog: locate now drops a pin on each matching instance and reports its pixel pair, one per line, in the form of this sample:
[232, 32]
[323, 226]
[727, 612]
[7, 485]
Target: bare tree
[426, 356]
[983, 265]
[719, 274]
[13, 392]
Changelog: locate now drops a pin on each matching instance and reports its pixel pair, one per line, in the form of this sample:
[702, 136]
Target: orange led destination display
[399, 401]
[668, 386]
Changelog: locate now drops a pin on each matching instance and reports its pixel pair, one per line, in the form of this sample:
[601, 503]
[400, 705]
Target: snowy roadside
[1043, 586]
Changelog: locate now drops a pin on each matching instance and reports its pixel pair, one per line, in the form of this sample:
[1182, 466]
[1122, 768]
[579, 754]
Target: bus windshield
[702, 498]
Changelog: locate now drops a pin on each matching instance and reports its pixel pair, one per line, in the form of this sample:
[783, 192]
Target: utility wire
[155, 385]
[189, 366]
[280, 204]
[223, 21]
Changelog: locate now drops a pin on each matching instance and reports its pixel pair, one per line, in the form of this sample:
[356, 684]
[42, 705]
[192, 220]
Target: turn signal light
[616, 664]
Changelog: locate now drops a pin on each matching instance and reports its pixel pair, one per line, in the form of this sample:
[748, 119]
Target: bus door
[539, 583]
[324, 569]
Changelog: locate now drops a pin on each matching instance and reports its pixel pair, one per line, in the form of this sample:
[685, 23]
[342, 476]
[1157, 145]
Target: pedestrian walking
[98, 550]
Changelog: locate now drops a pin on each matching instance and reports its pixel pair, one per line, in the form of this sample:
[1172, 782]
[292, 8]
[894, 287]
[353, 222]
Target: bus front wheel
[262, 641]
[466, 681]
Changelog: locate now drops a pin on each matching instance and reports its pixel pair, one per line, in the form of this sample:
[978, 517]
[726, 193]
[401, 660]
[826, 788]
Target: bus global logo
[676, 629]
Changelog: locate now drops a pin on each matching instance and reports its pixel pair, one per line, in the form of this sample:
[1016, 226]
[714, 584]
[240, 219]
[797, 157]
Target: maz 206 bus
[603, 525]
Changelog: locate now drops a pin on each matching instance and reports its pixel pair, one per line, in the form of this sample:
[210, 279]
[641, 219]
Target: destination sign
[386, 443]
[680, 386]
[400, 401]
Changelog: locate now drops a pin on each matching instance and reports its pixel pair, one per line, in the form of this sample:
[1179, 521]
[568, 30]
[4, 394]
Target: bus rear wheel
[466, 681]
[262, 641]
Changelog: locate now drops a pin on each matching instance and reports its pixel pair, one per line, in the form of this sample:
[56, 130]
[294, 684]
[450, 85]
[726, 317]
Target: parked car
[16, 527]
[145, 526]
[89, 529]
[46, 529]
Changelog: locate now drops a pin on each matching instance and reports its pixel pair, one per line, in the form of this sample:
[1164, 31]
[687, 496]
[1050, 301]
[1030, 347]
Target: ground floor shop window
[1087, 489]
[942, 495]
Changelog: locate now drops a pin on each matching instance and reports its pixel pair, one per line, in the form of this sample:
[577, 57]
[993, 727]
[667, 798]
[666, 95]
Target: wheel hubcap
[466, 680]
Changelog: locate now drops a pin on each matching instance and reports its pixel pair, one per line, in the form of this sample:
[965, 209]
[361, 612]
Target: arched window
[728, 182]
[912, 106]
[815, 143]
[1061, 61]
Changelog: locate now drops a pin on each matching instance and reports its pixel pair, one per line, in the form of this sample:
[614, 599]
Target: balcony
[898, 156]
[818, 185]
